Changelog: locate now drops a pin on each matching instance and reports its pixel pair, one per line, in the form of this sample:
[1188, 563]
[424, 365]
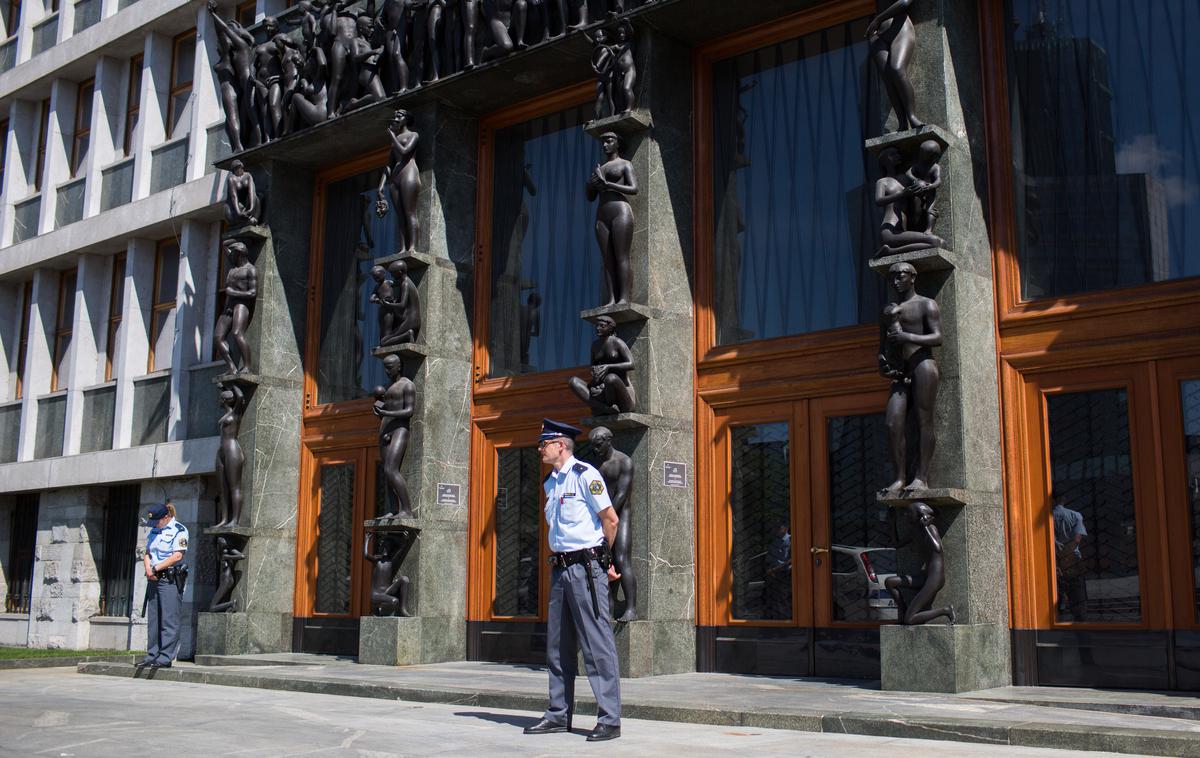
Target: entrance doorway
[797, 548]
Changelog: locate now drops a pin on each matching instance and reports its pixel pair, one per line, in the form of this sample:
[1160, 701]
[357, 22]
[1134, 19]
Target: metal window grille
[23, 531]
[120, 545]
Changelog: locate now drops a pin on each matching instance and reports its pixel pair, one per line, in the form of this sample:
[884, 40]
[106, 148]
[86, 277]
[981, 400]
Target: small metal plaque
[674, 474]
[501, 498]
[448, 494]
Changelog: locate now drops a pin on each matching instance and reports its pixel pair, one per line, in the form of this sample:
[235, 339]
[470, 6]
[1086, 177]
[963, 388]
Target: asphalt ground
[58, 712]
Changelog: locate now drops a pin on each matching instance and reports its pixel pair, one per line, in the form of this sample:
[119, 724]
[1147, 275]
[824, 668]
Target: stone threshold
[720, 699]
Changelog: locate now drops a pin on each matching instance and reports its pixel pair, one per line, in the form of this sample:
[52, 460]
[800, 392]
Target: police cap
[552, 429]
[157, 512]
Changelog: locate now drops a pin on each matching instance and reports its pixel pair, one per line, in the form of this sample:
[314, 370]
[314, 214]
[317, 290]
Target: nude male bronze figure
[909, 329]
[230, 458]
[609, 390]
[617, 470]
[896, 232]
[241, 287]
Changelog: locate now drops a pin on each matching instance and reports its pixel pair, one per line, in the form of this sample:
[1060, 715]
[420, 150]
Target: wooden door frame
[1034, 592]
[307, 516]
[1173, 473]
[820, 410]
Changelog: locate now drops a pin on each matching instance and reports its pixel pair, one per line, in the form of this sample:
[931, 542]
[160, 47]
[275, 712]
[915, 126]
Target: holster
[599, 554]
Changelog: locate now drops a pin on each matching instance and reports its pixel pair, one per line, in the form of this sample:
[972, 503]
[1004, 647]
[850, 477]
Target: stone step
[729, 700]
[270, 659]
[1172, 705]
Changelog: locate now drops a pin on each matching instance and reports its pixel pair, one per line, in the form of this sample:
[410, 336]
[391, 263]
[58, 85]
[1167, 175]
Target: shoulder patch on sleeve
[181, 542]
[596, 487]
[579, 468]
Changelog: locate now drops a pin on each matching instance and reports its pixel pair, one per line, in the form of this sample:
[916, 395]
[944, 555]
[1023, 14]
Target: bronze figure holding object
[933, 576]
[609, 390]
[402, 181]
[241, 287]
[613, 183]
[389, 588]
[394, 406]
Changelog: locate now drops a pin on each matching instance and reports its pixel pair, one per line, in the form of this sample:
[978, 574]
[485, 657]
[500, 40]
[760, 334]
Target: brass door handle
[818, 550]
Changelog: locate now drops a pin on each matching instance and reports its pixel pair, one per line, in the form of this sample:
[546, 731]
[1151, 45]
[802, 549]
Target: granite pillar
[271, 426]
[436, 463]
[657, 140]
[974, 654]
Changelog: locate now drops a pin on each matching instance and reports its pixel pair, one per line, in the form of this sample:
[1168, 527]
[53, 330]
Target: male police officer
[583, 525]
[165, 546]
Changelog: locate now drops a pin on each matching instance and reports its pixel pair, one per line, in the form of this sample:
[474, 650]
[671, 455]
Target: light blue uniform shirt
[574, 496]
[161, 543]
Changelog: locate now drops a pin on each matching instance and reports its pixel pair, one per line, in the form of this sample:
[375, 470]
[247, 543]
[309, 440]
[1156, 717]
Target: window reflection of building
[543, 245]
[1103, 196]
[760, 504]
[1190, 397]
[791, 217]
[354, 237]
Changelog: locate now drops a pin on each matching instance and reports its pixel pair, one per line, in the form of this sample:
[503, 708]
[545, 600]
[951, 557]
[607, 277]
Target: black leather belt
[570, 558]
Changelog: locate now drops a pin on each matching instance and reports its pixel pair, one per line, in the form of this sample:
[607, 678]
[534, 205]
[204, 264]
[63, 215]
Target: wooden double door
[793, 547]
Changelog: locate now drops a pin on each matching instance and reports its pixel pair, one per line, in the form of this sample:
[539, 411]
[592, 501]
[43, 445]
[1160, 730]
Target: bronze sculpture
[385, 291]
[897, 200]
[243, 204]
[613, 182]
[366, 63]
[394, 406]
[393, 18]
[229, 552]
[609, 390]
[309, 104]
[230, 458]
[923, 179]
[909, 329]
[405, 306]
[239, 47]
[617, 470]
[624, 72]
[466, 16]
[506, 21]
[241, 287]
[602, 65]
[402, 181]
[389, 588]
[928, 583]
[892, 38]
[268, 79]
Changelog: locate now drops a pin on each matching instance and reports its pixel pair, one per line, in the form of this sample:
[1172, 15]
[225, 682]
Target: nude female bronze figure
[309, 105]
[892, 38]
[404, 305]
[933, 576]
[617, 470]
[229, 552]
[395, 409]
[909, 328]
[230, 458]
[895, 198]
[402, 180]
[506, 20]
[241, 287]
[609, 390]
[613, 182]
[389, 588]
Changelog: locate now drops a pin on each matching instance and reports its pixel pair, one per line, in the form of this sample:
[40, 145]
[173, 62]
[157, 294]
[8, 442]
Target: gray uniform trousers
[162, 628]
[572, 622]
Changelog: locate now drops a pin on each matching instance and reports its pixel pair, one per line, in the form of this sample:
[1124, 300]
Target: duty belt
[570, 558]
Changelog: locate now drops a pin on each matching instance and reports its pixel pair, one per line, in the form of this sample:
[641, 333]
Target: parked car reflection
[858, 577]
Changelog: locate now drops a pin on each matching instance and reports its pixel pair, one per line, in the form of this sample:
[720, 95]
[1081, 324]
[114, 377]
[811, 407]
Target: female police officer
[165, 573]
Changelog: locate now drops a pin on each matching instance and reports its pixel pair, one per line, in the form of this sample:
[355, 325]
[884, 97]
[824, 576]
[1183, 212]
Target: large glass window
[761, 505]
[545, 262]
[1104, 96]
[162, 312]
[18, 572]
[793, 216]
[1190, 400]
[354, 238]
[1094, 522]
[83, 125]
[64, 326]
[182, 66]
[335, 533]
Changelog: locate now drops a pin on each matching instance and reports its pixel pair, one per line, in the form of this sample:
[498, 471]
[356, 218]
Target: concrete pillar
[23, 124]
[108, 8]
[31, 13]
[10, 339]
[66, 20]
[204, 95]
[197, 246]
[975, 653]
[133, 345]
[151, 131]
[38, 358]
[60, 133]
[91, 318]
[108, 107]
[66, 570]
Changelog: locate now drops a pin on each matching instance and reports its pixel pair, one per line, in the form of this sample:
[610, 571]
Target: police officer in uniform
[165, 576]
[583, 525]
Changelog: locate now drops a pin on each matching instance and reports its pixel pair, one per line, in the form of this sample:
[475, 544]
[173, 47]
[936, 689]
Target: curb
[980, 731]
[66, 660]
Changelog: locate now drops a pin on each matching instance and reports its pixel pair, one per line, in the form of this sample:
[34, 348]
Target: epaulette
[579, 468]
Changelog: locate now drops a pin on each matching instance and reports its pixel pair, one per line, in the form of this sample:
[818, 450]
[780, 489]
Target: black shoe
[143, 664]
[157, 666]
[546, 726]
[604, 732]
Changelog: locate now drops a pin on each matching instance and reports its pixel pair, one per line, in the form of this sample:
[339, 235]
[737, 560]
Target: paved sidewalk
[1036, 717]
[56, 712]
